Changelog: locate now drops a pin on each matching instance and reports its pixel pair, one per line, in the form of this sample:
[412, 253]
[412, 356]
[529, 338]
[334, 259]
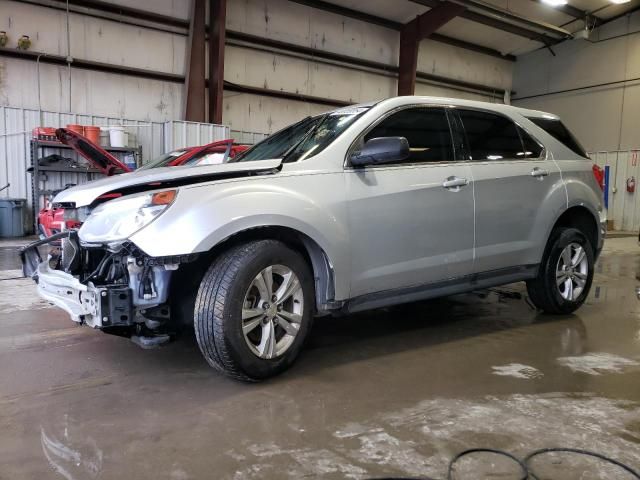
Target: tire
[230, 290]
[549, 291]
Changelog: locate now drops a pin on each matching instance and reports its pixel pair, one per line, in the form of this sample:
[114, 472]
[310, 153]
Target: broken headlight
[119, 219]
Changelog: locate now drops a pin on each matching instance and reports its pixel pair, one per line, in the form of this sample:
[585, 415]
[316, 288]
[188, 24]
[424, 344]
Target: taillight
[599, 174]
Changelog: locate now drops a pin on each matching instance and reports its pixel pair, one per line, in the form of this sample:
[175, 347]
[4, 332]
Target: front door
[411, 222]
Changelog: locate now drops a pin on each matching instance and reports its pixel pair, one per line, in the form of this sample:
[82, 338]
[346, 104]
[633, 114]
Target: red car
[51, 220]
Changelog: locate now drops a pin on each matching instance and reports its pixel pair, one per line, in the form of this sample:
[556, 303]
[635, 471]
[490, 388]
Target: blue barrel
[12, 217]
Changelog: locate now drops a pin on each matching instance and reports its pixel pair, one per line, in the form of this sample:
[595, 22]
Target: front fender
[205, 215]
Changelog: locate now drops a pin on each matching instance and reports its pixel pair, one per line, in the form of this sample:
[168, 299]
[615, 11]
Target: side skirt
[464, 284]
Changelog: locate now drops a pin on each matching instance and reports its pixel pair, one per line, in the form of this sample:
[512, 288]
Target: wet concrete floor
[393, 392]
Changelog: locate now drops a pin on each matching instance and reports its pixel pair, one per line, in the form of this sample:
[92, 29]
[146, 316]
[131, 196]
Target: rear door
[516, 189]
[409, 227]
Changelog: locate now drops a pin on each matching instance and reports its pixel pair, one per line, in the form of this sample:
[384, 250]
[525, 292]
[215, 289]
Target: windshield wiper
[305, 137]
[271, 137]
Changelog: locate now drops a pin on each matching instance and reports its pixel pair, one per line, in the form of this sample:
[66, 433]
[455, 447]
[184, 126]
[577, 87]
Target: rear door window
[490, 136]
[425, 128]
[557, 130]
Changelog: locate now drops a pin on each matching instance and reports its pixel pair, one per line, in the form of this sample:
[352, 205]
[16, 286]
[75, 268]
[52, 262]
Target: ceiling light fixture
[555, 3]
[619, 2]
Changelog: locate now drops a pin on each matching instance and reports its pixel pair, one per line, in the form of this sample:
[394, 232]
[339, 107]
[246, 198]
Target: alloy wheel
[272, 311]
[572, 271]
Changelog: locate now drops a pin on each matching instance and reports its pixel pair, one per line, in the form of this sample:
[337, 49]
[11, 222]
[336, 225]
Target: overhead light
[555, 3]
[619, 2]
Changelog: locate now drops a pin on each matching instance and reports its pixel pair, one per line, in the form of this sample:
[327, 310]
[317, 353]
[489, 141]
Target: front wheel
[254, 309]
[565, 274]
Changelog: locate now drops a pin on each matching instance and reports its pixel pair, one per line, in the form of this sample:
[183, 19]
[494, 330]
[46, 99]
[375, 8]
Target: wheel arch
[315, 256]
[583, 219]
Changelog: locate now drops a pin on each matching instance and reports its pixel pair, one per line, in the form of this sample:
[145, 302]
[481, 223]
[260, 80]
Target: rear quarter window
[557, 130]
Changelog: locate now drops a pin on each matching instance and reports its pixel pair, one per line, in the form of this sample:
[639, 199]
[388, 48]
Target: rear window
[557, 130]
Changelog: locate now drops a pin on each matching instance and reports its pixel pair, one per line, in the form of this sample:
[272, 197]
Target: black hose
[577, 451]
[521, 464]
[525, 468]
[100, 268]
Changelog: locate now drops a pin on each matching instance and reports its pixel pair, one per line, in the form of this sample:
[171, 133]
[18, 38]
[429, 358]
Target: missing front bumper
[98, 307]
[104, 288]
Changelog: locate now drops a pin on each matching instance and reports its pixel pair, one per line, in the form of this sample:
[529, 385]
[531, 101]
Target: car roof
[458, 102]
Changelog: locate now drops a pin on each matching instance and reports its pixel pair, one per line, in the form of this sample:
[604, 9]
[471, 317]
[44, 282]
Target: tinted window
[532, 149]
[490, 136]
[557, 130]
[426, 130]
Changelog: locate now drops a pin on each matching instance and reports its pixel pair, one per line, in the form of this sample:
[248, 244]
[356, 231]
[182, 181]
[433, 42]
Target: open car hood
[156, 178]
[98, 157]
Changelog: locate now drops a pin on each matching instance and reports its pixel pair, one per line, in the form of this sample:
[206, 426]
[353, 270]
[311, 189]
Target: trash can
[12, 217]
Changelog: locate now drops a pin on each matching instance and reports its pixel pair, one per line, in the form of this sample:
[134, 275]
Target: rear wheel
[565, 274]
[254, 310]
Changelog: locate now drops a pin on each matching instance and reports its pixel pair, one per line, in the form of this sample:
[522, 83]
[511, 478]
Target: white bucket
[116, 137]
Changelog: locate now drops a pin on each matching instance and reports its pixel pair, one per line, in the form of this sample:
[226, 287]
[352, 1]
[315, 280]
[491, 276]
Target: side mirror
[381, 150]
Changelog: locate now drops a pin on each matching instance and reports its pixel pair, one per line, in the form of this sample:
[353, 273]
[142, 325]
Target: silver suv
[362, 207]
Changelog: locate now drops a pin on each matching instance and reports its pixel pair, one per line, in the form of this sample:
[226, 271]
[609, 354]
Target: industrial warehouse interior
[286, 239]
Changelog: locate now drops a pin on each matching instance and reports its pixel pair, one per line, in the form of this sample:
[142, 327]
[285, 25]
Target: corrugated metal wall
[155, 138]
[624, 206]
[179, 134]
[247, 138]
[15, 135]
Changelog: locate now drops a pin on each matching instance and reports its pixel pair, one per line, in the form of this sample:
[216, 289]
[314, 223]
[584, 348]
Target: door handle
[539, 172]
[454, 183]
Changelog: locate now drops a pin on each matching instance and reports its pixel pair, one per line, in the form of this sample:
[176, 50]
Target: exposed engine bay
[117, 289]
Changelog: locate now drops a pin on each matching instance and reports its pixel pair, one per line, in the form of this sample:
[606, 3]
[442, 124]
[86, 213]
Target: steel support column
[410, 35]
[195, 93]
[408, 60]
[217, 20]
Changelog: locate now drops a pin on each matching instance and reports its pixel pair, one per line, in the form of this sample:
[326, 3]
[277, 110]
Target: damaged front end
[116, 288]
[101, 277]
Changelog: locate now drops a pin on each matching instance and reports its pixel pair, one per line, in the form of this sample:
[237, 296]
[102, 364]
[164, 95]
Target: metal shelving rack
[38, 146]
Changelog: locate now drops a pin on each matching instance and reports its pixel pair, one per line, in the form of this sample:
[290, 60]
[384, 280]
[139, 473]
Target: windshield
[163, 160]
[304, 139]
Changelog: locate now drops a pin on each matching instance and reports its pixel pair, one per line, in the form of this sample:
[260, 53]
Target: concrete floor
[389, 393]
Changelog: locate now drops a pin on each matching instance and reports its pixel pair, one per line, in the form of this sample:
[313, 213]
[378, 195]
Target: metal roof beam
[576, 13]
[144, 16]
[427, 23]
[502, 20]
[412, 33]
[393, 25]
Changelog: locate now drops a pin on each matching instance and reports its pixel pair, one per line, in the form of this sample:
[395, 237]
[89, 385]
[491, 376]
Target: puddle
[517, 370]
[597, 363]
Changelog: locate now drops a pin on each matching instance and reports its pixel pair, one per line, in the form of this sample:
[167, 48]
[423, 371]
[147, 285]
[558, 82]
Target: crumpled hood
[83, 195]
